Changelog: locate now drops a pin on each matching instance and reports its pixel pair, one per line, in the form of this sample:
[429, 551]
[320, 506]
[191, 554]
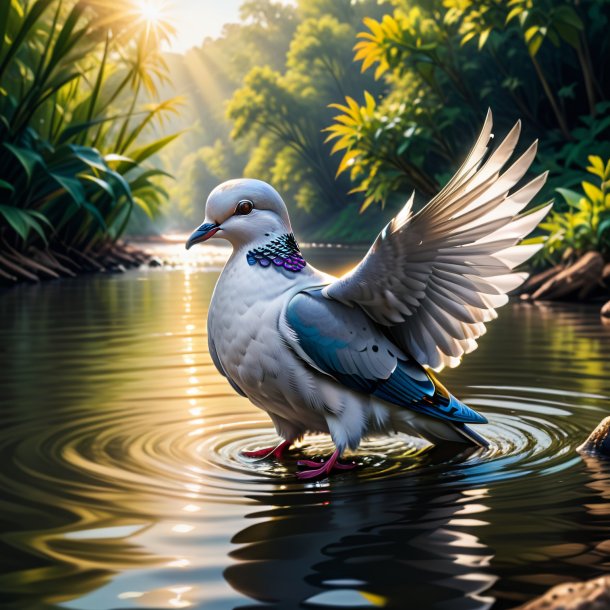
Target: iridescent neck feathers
[281, 253]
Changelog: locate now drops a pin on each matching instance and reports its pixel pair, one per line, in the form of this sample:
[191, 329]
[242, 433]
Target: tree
[282, 114]
[444, 62]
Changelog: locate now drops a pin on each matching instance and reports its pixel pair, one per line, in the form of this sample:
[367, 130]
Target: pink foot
[318, 469]
[268, 452]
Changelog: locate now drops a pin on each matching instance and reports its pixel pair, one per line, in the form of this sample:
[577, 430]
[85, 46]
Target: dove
[358, 356]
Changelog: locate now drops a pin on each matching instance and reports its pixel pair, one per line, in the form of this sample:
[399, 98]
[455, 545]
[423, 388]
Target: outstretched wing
[344, 343]
[435, 277]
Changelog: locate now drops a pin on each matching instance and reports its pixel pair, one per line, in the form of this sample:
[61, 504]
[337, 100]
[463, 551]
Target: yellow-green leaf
[381, 68]
[374, 26]
[369, 60]
[597, 166]
[531, 32]
[483, 38]
[467, 37]
[534, 46]
[370, 102]
[348, 159]
[513, 13]
[340, 144]
[592, 192]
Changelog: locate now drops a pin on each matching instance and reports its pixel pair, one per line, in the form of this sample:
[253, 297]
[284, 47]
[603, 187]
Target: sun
[151, 11]
[153, 16]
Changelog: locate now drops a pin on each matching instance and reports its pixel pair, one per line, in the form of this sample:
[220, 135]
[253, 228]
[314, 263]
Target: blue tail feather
[425, 396]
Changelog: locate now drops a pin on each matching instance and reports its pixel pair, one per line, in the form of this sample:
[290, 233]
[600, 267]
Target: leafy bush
[72, 77]
[585, 225]
[444, 62]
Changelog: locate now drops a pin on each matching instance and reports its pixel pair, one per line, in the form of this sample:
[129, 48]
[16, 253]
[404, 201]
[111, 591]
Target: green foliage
[72, 160]
[281, 114]
[444, 62]
[263, 88]
[199, 172]
[585, 225]
[210, 75]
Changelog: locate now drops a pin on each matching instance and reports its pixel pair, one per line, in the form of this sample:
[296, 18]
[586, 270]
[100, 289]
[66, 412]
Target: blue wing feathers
[346, 344]
[401, 389]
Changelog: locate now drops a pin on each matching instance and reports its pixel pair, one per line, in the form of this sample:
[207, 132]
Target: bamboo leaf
[16, 219]
[89, 156]
[76, 128]
[27, 26]
[7, 186]
[144, 152]
[5, 9]
[28, 159]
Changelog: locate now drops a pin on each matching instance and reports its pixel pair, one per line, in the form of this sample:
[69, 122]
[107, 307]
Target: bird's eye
[244, 207]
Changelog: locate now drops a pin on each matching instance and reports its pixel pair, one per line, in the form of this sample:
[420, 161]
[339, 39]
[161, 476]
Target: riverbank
[38, 264]
[583, 278]
[165, 250]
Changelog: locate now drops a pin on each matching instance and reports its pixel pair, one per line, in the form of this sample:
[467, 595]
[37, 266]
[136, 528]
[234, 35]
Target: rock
[114, 268]
[155, 262]
[605, 312]
[583, 275]
[590, 595]
[598, 442]
[606, 274]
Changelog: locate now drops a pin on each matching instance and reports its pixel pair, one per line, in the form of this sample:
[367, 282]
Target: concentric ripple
[116, 421]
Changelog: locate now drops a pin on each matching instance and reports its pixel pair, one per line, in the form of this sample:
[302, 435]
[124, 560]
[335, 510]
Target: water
[122, 484]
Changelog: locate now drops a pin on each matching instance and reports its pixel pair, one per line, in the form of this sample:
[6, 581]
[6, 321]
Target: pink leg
[268, 452]
[317, 469]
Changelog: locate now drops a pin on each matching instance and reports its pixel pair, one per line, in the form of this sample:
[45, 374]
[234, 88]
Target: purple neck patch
[281, 253]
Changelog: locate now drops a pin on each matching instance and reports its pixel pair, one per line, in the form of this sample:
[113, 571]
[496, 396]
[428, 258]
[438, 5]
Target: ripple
[117, 421]
[157, 453]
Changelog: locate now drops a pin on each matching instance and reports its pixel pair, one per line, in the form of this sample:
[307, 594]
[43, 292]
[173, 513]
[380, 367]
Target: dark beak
[205, 231]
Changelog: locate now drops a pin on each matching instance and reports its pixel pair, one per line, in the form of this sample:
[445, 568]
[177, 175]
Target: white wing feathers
[437, 276]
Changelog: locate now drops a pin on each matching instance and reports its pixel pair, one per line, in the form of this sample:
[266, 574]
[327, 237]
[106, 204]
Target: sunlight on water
[123, 484]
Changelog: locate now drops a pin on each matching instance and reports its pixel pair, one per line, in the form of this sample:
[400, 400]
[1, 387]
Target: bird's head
[242, 211]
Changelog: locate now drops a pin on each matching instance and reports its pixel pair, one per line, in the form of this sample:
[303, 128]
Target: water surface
[122, 484]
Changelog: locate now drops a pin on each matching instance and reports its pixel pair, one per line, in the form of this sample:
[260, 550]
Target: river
[122, 484]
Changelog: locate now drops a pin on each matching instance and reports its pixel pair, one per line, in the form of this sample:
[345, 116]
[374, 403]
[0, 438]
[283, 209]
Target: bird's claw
[317, 469]
[268, 452]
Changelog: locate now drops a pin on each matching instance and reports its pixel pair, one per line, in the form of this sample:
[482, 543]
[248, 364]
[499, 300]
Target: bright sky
[196, 19]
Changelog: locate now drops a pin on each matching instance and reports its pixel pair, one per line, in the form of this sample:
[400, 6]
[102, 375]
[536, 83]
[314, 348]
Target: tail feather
[472, 436]
[441, 432]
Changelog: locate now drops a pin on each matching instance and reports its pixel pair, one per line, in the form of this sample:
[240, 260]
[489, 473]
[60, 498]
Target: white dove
[352, 356]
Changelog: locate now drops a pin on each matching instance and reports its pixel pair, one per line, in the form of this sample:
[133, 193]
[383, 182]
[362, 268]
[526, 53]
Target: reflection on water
[122, 484]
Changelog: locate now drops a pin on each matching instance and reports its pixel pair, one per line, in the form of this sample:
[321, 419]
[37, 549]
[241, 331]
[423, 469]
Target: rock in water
[599, 441]
[590, 595]
[605, 312]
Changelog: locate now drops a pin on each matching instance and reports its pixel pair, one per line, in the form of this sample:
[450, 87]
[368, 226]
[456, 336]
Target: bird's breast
[243, 322]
